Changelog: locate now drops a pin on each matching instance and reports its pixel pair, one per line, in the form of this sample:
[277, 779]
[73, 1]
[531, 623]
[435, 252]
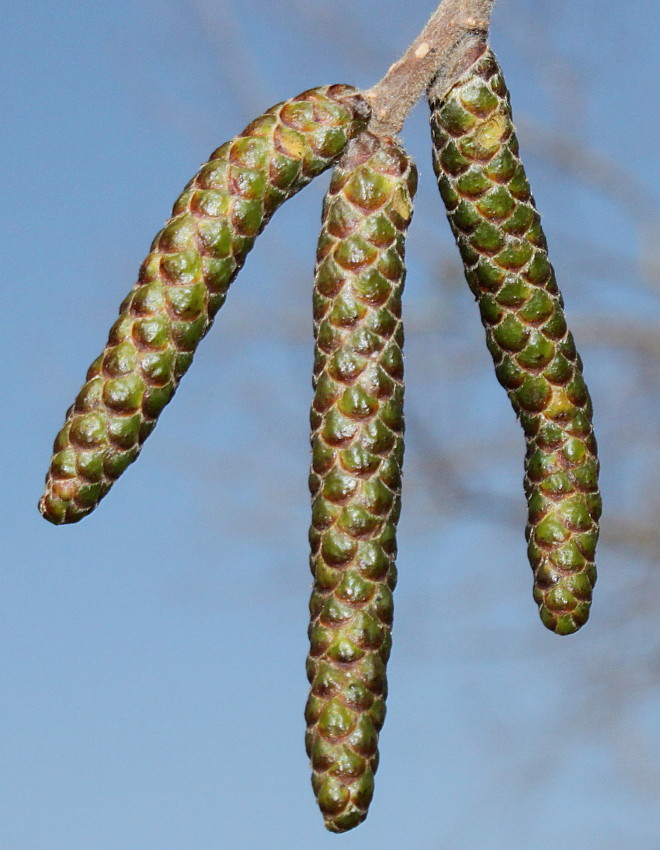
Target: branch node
[455, 34]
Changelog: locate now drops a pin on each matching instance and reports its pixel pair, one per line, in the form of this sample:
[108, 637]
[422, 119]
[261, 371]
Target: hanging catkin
[357, 453]
[498, 231]
[183, 283]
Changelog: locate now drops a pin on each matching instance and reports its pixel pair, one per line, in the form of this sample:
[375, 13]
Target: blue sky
[153, 655]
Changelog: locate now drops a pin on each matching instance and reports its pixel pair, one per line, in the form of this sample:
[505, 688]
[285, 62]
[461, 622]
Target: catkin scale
[182, 284]
[498, 231]
[355, 481]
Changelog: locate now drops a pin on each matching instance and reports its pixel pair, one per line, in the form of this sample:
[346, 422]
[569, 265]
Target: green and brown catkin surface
[357, 453]
[183, 283]
[498, 230]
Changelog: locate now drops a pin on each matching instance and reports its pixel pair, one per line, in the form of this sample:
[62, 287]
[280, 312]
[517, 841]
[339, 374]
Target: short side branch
[453, 38]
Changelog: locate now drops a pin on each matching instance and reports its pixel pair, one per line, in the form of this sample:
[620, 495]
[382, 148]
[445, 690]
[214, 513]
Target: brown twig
[454, 36]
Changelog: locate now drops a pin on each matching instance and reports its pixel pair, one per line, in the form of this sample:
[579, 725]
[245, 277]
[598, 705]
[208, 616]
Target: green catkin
[355, 481]
[183, 283]
[498, 231]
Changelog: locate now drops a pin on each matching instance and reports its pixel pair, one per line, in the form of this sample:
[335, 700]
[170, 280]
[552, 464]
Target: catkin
[182, 284]
[357, 454]
[498, 231]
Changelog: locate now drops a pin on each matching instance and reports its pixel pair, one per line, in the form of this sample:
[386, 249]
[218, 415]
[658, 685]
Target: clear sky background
[152, 664]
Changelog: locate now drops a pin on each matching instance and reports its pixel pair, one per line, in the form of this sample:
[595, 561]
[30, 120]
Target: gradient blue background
[152, 657]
